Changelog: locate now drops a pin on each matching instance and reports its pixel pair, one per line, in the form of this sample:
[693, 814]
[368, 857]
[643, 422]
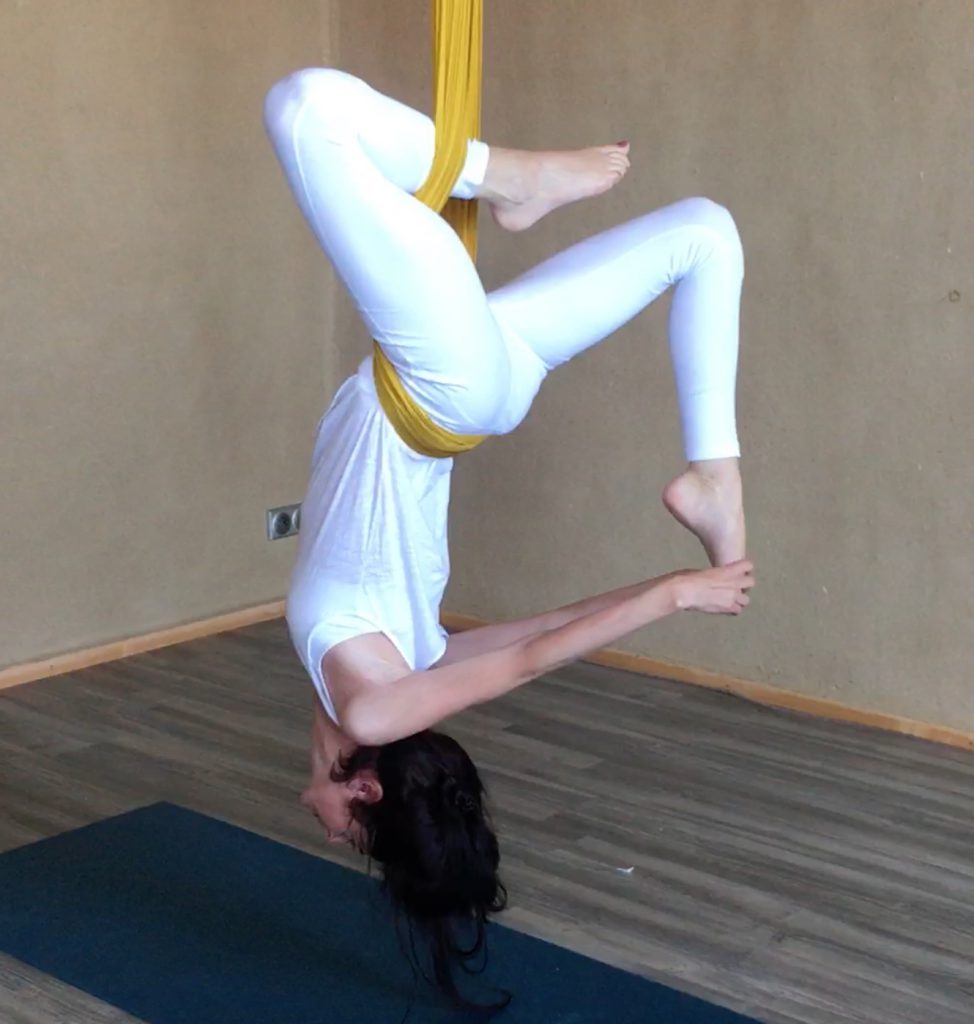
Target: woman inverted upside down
[364, 603]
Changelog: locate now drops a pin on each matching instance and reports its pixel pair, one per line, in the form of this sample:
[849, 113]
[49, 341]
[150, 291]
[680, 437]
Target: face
[330, 802]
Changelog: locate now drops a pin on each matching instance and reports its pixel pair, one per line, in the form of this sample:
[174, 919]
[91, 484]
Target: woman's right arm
[468, 643]
[378, 714]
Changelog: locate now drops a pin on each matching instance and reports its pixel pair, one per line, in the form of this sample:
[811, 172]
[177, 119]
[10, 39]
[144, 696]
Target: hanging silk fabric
[457, 76]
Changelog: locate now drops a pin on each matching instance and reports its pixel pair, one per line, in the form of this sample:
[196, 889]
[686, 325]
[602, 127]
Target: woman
[363, 608]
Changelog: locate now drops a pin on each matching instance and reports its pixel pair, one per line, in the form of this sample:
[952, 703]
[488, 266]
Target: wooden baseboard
[760, 693]
[77, 660]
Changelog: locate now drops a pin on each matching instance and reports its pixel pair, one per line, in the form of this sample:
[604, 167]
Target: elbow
[359, 721]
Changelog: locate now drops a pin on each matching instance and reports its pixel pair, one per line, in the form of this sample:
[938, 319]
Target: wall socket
[283, 522]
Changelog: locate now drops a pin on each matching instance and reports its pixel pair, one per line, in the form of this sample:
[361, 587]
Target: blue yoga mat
[180, 919]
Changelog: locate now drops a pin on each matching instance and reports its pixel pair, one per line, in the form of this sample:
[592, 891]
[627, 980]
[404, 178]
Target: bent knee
[330, 91]
[715, 220]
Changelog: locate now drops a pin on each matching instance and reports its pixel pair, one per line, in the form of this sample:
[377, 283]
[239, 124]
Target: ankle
[504, 177]
[717, 471]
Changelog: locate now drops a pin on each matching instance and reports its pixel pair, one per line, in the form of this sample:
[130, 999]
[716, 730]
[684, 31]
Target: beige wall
[838, 132]
[162, 304]
[163, 317]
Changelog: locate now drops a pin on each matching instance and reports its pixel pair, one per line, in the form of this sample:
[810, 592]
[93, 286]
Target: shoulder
[359, 664]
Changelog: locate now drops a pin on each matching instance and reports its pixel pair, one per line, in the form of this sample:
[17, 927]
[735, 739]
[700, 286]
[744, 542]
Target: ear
[366, 787]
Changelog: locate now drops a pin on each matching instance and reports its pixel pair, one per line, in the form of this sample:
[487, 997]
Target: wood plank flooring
[799, 871]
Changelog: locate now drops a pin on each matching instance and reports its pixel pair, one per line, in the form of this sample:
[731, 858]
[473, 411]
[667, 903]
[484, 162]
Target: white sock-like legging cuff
[474, 170]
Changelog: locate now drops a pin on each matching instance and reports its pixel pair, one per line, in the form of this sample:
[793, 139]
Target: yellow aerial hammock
[457, 69]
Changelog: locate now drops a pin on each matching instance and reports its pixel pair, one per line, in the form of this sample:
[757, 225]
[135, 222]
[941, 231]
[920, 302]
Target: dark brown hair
[432, 836]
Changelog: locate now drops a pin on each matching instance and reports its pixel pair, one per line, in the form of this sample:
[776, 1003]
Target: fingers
[742, 573]
[741, 599]
[745, 567]
[723, 590]
[743, 582]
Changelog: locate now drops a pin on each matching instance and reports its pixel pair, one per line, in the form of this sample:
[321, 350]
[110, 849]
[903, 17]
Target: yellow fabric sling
[457, 69]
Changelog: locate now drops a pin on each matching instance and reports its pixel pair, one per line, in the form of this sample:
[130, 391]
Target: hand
[721, 591]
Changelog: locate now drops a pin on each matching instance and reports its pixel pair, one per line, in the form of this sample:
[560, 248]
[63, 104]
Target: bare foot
[522, 187]
[707, 500]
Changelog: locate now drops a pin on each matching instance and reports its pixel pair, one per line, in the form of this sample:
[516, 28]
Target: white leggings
[473, 361]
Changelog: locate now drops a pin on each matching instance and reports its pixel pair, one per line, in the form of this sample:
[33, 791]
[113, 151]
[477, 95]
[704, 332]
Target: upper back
[372, 554]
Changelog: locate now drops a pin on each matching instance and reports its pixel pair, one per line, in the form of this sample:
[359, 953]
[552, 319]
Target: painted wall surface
[839, 134]
[169, 337]
[163, 317]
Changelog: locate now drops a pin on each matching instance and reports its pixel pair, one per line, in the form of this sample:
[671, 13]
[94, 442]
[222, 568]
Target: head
[416, 807]
[334, 798]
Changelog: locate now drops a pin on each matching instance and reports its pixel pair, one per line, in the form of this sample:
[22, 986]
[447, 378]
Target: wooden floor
[791, 869]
